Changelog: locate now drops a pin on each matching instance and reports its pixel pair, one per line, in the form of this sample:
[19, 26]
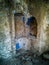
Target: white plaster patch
[24, 43]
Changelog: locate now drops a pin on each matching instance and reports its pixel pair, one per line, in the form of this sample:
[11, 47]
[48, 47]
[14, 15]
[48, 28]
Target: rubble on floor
[24, 58]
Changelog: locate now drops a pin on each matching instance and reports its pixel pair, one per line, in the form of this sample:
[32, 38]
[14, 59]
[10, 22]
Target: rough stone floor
[27, 58]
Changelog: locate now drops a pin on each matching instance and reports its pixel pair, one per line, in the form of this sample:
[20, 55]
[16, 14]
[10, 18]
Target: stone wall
[5, 38]
[38, 10]
[13, 30]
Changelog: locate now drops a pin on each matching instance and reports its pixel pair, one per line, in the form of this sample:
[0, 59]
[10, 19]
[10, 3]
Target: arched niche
[19, 24]
[32, 22]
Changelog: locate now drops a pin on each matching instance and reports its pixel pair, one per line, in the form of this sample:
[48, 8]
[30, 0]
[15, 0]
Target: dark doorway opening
[32, 22]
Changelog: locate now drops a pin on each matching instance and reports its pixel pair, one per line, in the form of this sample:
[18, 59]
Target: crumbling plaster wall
[43, 45]
[7, 33]
[42, 21]
[5, 38]
[21, 33]
[47, 29]
[38, 10]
